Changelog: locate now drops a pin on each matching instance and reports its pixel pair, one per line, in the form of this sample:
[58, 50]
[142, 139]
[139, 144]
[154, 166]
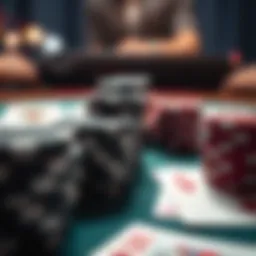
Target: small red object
[235, 58]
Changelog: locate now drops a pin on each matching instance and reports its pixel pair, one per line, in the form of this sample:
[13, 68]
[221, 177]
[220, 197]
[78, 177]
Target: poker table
[82, 69]
[88, 233]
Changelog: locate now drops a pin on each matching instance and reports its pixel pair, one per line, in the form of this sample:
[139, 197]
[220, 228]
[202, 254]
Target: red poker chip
[229, 151]
[174, 122]
[152, 120]
[180, 129]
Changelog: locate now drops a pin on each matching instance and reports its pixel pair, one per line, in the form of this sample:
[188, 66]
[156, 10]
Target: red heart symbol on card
[185, 184]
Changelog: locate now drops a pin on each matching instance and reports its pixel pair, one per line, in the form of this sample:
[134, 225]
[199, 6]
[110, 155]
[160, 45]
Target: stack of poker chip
[110, 139]
[173, 123]
[228, 149]
[120, 95]
[110, 152]
[39, 175]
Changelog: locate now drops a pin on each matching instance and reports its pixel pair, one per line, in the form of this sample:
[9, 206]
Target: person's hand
[12, 40]
[34, 35]
[241, 81]
[131, 47]
[17, 68]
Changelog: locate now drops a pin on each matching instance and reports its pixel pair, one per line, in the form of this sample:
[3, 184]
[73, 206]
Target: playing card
[143, 240]
[165, 206]
[32, 113]
[133, 241]
[201, 205]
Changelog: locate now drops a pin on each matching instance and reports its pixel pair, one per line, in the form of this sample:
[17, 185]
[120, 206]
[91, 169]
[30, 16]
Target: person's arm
[184, 41]
[241, 81]
[16, 68]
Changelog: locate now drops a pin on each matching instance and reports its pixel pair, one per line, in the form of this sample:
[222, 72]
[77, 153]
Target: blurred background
[226, 26]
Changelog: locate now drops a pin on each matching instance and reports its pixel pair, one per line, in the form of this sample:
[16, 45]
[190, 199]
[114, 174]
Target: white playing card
[200, 205]
[39, 113]
[135, 240]
[160, 242]
[181, 244]
[23, 115]
[165, 207]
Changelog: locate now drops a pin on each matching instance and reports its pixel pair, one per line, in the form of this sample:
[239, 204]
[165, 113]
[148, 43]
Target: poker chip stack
[39, 176]
[110, 151]
[173, 123]
[120, 96]
[111, 139]
[228, 148]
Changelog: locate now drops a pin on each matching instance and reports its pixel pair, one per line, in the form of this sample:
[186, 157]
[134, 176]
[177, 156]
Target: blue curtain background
[226, 25]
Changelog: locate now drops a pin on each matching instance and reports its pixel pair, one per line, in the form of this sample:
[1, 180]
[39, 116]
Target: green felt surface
[89, 233]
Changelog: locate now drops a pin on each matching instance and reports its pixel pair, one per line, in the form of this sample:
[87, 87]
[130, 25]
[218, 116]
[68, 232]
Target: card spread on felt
[140, 239]
[24, 114]
[196, 203]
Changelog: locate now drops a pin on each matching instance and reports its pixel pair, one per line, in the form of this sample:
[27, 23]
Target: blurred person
[22, 66]
[161, 27]
[125, 27]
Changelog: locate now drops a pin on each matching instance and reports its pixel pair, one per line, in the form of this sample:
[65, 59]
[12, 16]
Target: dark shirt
[157, 19]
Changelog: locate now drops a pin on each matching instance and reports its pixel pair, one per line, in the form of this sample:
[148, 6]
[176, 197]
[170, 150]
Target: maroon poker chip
[228, 150]
[175, 122]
